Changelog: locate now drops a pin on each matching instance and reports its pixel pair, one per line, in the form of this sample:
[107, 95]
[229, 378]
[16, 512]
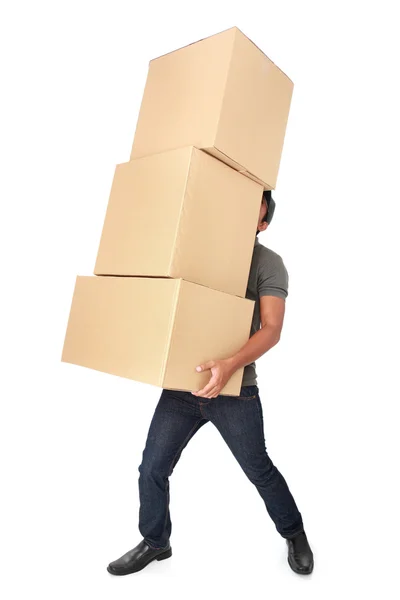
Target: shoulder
[268, 259]
[272, 275]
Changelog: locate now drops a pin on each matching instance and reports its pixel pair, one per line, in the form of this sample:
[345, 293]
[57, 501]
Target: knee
[260, 471]
[152, 468]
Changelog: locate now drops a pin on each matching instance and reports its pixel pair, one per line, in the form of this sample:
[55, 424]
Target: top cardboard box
[222, 95]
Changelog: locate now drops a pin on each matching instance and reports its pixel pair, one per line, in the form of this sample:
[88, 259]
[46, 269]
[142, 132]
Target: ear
[263, 226]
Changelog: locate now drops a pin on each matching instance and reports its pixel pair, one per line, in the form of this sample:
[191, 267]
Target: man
[239, 419]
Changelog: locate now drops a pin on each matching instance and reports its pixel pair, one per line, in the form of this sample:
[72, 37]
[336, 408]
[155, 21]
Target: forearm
[257, 345]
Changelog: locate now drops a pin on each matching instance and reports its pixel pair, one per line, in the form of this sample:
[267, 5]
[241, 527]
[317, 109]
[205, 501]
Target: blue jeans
[239, 419]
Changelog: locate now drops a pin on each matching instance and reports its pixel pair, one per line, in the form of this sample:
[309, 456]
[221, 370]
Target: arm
[272, 312]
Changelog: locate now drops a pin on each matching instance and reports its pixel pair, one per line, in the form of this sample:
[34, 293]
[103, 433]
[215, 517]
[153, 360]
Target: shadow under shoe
[138, 558]
[300, 555]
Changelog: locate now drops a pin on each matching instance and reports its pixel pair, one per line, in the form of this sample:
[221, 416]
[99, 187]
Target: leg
[176, 419]
[240, 422]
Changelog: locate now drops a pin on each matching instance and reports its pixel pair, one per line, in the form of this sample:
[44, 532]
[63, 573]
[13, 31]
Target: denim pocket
[248, 392]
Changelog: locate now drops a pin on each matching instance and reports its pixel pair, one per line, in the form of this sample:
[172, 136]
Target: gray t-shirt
[268, 277]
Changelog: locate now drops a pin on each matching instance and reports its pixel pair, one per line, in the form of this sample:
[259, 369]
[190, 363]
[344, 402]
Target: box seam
[226, 82]
[178, 226]
[171, 327]
[193, 43]
[264, 54]
[242, 170]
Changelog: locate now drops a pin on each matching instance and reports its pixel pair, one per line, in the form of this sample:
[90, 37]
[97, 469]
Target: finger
[207, 389]
[214, 393]
[203, 392]
[205, 366]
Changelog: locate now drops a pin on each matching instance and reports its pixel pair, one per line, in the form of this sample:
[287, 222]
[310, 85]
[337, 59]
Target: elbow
[275, 331]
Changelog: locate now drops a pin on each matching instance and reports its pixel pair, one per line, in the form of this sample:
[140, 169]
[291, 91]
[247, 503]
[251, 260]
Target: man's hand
[272, 311]
[221, 372]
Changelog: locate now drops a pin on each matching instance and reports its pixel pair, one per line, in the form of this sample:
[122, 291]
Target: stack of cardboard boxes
[175, 252]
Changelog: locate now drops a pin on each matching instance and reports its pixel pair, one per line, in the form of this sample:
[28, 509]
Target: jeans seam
[260, 416]
[183, 444]
[172, 463]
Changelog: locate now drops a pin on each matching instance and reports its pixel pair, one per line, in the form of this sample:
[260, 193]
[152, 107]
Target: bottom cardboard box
[155, 330]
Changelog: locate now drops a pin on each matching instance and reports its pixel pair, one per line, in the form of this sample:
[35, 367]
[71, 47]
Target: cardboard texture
[181, 214]
[223, 95]
[155, 330]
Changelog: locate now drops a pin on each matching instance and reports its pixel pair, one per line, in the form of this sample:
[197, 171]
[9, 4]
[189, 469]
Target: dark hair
[270, 206]
[267, 195]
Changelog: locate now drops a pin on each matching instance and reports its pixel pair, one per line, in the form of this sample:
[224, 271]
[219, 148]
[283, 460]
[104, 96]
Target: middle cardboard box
[181, 214]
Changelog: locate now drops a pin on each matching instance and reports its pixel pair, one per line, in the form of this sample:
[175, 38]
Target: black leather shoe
[137, 559]
[300, 556]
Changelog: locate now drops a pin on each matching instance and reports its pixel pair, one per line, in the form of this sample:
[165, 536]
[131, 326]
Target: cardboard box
[181, 214]
[221, 94]
[155, 330]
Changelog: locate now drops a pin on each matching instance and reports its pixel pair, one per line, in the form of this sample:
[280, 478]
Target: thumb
[205, 366]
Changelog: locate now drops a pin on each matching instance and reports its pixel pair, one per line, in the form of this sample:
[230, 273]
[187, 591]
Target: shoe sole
[161, 556]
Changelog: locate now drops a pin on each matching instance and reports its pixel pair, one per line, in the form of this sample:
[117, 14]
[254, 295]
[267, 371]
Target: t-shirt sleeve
[272, 277]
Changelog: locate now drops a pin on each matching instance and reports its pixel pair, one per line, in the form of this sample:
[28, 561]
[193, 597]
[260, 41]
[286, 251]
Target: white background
[72, 80]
